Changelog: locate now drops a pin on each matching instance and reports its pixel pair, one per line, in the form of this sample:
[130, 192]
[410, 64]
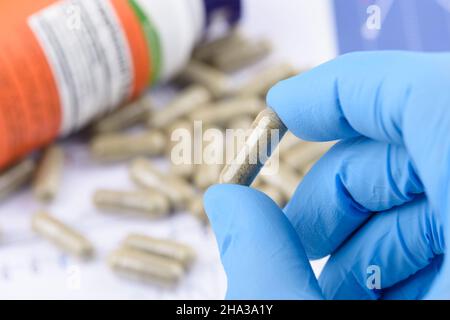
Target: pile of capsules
[207, 94]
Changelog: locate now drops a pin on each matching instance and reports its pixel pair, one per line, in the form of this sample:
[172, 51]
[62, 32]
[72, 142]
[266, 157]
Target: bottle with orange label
[63, 63]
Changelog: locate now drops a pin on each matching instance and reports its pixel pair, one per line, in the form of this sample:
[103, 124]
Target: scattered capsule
[118, 146]
[242, 55]
[206, 175]
[261, 83]
[15, 177]
[48, 175]
[222, 112]
[146, 175]
[162, 247]
[212, 79]
[185, 103]
[123, 118]
[141, 266]
[267, 131]
[150, 202]
[300, 156]
[197, 209]
[62, 235]
[207, 51]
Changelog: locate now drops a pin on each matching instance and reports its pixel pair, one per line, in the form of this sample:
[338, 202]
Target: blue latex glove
[380, 197]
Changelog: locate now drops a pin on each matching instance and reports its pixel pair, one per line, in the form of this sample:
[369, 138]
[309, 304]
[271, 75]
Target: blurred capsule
[207, 51]
[305, 153]
[222, 112]
[48, 175]
[62, 235]
[15, 177]
[141, 266]
[261, 83]
[206, 175]
[123, 118]
[242, 55]
[150, 202]
[162, 247]
[197, 209]
[146, 175]
[240, 122]
[218, 84]
[184, 104]
[118, 146]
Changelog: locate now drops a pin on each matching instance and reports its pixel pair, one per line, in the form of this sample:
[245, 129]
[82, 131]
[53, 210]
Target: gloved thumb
[260, 250]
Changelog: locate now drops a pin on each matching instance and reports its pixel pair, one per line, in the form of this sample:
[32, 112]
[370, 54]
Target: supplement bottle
[64, 63]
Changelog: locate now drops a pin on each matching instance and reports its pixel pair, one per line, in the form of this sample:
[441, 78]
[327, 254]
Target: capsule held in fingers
[162, 247]
[266, 133]
[149, 202]
[117, 147]
[62, 235]
[48, 175]
[141, 266]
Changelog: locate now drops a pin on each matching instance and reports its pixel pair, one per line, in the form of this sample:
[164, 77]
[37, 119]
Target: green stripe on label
[153, 41]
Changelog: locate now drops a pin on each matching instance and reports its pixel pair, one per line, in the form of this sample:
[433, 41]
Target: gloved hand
[378, 200]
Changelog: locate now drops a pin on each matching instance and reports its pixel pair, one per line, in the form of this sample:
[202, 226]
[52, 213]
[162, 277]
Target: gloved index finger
[355, 94]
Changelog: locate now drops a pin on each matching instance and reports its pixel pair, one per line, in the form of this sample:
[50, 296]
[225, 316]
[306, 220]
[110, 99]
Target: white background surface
[302, 32]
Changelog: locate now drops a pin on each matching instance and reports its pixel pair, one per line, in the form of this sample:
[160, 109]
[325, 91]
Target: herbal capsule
[212, 79]
[300, 156]
[207, 51]
[162, 247]
[274, 193]
[222, 112]
[242, 55]
[285, 179]
[62, 235]
[185, 103]
[150, 202]
[261, 83]
[197, 210]
[142, 266]
[267, 131]
[117, 146]
[146, 175]
[123, 118]
[207, 175]
[15, 177]
[48, 176]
